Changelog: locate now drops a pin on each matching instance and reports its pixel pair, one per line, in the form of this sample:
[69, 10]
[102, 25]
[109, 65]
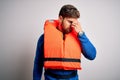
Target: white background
[21, 24]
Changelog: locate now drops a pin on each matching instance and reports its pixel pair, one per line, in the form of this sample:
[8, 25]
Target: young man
[59, 48]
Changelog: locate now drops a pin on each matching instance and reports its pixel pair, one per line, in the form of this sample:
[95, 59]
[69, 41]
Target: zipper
[63, 44]
[63, 54]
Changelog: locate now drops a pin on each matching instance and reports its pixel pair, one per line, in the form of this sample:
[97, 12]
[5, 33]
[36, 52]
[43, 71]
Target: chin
[67, 31]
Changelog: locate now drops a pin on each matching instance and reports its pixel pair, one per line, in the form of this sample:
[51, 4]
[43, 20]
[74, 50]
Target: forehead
[71, 19]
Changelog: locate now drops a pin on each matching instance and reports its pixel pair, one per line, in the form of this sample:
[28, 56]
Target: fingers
[75, 24]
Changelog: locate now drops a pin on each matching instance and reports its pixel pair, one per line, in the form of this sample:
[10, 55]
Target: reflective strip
[62, 59]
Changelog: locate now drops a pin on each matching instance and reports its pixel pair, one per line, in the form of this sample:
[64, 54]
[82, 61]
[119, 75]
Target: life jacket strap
[62, 59]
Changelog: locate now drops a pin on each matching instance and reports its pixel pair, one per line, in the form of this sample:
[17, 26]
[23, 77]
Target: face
[66, 24]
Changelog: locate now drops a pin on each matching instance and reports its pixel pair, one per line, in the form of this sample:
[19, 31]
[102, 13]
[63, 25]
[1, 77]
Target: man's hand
[77, 26]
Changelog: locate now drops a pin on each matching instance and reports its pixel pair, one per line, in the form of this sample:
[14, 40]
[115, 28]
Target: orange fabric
[56, 47]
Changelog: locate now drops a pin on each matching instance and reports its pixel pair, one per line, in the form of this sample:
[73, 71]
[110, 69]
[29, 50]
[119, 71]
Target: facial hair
[66, 30]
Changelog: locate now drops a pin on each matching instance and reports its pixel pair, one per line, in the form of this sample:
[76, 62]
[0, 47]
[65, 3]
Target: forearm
[88, 50]
[37, 72]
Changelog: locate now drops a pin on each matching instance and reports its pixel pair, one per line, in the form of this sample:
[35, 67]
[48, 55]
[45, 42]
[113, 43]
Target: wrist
[80, 33]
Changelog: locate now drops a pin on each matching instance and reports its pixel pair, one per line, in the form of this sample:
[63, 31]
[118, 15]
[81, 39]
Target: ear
[60, 18]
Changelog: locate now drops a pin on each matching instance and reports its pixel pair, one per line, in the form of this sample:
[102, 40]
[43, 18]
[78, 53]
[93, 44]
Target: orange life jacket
[58, 53]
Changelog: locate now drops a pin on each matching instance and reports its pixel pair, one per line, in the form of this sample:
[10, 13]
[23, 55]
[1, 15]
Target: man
[59, 48]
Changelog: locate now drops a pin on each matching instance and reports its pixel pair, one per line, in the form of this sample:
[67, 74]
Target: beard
[66, 30]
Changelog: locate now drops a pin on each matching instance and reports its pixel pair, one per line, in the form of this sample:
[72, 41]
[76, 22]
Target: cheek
[67, 25]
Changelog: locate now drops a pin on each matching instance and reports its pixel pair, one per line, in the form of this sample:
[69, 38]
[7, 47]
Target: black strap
[73, 74]
[62, 59]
